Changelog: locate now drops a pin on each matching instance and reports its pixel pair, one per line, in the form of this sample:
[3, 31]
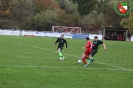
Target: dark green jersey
[61, 42]
[96, 44]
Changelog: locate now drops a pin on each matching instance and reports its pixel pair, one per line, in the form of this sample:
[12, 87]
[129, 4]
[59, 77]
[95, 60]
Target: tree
[45, 20]
[29, 23]
[93, 21]
[124, 23]
[5, 7]
[69, 19]
[112, 19]
[128, 22]
[131, 22]
[102, 6]
[85, 6]
[5, 13]
[43, 5]
[68, 6]
[21, 12]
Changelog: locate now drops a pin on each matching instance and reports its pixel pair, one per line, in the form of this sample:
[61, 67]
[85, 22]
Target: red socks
[84, 60]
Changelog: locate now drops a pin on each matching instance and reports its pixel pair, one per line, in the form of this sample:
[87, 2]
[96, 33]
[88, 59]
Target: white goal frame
[64, 29]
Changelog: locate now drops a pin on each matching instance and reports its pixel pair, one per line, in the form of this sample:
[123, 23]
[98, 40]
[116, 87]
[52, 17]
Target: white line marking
[69, 55]
[53, 67]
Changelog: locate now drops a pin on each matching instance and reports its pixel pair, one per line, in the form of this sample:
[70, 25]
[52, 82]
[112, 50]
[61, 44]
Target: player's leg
[93, 53]
[130, 39]
[90, 60]
[84, 57]
[59, 51]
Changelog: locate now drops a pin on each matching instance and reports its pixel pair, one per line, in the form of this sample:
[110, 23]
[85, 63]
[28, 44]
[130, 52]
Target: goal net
[64, 29]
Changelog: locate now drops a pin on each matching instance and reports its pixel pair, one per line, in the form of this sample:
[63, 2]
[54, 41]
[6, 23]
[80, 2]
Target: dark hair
[87, 38]
[96, 37]
[62, 34]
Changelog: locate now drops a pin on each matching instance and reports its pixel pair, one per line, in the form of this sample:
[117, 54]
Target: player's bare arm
[104, 46]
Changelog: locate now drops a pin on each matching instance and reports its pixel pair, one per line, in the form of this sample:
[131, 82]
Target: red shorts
[88, 52]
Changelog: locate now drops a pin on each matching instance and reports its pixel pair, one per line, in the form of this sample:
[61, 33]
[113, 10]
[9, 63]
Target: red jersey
[88, 45]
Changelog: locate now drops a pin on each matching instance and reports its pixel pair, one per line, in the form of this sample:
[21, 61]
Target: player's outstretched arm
[104, 46]
[83, 48]
[56, 41]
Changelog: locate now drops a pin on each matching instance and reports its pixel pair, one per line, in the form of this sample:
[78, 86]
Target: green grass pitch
[32, 62]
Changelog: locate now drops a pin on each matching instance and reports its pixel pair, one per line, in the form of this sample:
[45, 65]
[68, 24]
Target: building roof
[115, 29]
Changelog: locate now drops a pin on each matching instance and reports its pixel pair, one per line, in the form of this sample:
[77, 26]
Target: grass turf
[32, 62]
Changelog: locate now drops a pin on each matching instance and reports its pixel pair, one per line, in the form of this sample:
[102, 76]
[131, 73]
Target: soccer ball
[61, 58]
[79, 61]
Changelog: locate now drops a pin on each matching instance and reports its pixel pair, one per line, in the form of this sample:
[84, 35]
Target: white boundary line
[51, 67]
[118, 67]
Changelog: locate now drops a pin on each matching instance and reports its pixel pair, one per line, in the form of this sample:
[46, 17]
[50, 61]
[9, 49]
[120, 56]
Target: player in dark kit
[96, 46]
[61, 42]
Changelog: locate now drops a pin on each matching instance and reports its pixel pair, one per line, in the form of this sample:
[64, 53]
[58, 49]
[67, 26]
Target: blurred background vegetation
[41, 15]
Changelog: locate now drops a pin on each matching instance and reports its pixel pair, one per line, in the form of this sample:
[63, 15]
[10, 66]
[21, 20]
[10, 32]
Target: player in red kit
[87, 52]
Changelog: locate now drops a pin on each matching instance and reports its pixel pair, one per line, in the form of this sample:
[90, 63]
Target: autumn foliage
[5, 7]
[45, 5]
[43, 14]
